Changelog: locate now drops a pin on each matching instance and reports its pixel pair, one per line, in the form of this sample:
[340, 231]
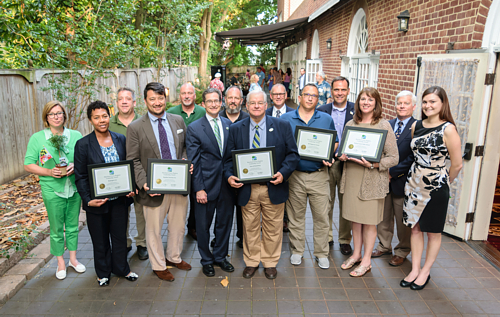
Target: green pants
[62, 213]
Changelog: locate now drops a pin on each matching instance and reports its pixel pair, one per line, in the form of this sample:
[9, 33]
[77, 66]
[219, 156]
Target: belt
[309, 172]
[261, 183]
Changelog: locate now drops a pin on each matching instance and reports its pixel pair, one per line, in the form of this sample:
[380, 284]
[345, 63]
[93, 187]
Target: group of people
[370, 194]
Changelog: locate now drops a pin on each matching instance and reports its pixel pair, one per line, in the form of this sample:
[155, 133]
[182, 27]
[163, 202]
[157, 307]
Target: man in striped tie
[206, 140]
[264, 200]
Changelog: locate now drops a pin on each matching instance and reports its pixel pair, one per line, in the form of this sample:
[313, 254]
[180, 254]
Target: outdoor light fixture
[403, 19]
[329, 44]
[167, 92]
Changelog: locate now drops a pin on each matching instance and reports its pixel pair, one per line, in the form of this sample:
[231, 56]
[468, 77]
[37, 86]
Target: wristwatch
[371, 167]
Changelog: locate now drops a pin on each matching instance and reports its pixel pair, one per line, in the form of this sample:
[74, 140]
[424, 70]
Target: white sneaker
[323, 263]
[79, 268]
[296, 259]
[60, 275]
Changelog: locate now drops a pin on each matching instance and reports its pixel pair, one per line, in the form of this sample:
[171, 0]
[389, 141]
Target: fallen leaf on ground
[224, 282]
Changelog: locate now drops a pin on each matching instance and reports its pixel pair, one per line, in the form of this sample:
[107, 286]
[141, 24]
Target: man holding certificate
[310, 179]
[206, 140]
[159, 135]
[271, 138]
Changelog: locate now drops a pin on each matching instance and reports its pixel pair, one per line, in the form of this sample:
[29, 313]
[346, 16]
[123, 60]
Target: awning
[262, 34]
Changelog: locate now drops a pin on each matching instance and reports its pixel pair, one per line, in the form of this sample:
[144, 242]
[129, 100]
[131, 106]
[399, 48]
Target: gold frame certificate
[315, 144]
[254, 165]
[111, 179]
[169, 176]
[363, 142]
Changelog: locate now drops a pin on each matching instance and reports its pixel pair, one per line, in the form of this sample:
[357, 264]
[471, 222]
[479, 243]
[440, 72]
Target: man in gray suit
[159, 135]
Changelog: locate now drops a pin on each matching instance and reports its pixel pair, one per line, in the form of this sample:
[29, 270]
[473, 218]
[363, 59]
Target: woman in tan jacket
[365, 184]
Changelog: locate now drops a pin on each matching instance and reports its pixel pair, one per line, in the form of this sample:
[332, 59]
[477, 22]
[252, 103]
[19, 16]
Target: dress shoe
[212, 243]
[345, 248]
[248, 272]
[132, 277]
[396, 260]
[240, 243]
[103, 281]
[129, 249]
[181, 266]
[165, 275]
[270, 272]
[142, 253]
[405, 283]
[192, 233]
[330, 243]
[377, 253]
[208, 270]
[61, 275]
[225, 266]
[79, 268]
[417, 287]
[285, 227]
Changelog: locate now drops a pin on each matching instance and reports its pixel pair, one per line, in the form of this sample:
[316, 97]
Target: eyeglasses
[279, 94]
[310, 96]
[57, 114]
[211, 102]
[260, 103]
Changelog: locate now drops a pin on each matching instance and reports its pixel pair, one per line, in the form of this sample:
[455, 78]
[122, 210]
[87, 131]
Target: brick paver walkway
[462, 283]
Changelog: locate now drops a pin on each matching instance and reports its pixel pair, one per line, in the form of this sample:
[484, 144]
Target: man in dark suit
[262, 200]
[159, 135]
[278, 95]
[341, 111]
[206, 140]
[393, 207]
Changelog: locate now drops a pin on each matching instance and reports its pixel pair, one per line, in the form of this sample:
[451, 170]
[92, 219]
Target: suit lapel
[173, 128]
[96, 147]
[405, 131]
[225, 128]
[207, 128]
[245, 133]
[118, 146]
[150, 135]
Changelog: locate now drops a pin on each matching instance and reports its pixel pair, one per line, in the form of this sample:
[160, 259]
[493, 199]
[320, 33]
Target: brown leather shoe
[396, 260]
[345, 248]
[249, 271]
[285, 227]
[270, 272]
[377, 253]
[165, 275]
[181, 266]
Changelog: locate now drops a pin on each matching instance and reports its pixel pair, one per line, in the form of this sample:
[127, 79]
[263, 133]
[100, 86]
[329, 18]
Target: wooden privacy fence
[22, 99]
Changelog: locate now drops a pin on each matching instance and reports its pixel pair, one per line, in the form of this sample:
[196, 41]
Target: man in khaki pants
[159, 135]
[310, 180]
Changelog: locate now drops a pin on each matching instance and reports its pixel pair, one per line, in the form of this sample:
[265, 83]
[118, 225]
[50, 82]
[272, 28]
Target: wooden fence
[22, 99]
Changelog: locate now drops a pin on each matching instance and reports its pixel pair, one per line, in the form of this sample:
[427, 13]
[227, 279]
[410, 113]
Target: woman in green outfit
[58, 191]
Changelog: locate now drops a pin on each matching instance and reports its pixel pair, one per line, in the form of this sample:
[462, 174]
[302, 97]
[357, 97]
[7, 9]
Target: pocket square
[179, 131]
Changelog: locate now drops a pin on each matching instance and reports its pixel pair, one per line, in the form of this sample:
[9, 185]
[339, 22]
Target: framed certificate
[111, 179]
[363, 142]
[169, 176]
[315, 144]
[254, 165]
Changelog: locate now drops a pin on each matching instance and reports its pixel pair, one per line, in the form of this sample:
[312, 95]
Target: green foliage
[58, 141]
[24, 240]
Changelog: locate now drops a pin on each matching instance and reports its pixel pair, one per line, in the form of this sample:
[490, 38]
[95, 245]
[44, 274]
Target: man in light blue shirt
[262, 76]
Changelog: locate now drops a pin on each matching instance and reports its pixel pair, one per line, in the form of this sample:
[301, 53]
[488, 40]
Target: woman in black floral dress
[435, 140]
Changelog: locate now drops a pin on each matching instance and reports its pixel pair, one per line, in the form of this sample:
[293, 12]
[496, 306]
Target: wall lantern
[329, 44]
[403, 19]
[167, 92]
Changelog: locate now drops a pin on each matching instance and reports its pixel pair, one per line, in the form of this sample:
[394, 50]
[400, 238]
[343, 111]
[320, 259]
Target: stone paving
[462, 283]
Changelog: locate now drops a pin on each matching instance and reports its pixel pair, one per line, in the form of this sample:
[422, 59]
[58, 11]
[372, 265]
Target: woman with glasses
[365, 184]
[58, 191]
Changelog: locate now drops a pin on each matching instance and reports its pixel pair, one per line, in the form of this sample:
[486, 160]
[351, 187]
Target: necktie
[256, 138]
[278, 113]
[217, 135]
[399, 130]
[165, 148]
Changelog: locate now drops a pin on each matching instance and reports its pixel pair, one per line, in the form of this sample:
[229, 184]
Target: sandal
[349, 263]
[360, 271]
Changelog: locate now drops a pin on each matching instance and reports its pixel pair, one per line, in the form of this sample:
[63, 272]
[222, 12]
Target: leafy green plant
[58, 141]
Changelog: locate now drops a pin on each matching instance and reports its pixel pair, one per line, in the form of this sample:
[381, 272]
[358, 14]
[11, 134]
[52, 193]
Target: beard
[233, 111]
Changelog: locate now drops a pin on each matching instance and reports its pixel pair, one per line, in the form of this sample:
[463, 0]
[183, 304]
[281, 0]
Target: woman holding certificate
[48, 149]
[435, 141]
[365, 184]
[106, 218]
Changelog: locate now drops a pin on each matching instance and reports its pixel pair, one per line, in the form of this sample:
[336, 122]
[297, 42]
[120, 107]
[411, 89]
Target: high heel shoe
[405, 283]
[417, 287]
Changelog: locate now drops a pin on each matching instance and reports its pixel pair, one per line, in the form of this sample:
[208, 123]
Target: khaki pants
[268, 249]
[140, 224]
[344, 225]
[174, 207]
[315, 186]
[385, 230]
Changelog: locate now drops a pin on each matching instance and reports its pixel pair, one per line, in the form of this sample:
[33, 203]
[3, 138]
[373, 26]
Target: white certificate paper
[112, 180]
[169, 177]
[362, 143]
[256, 165]
[314, 144]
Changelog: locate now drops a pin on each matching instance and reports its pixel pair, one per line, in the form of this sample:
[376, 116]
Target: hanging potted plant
[59, 143]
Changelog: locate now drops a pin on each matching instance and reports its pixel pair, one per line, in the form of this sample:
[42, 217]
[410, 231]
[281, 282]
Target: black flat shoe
[416, 287]
[208, 270]
[142, 253]
[225, 266]
[132, 277]
[404, 283]
[103, 281]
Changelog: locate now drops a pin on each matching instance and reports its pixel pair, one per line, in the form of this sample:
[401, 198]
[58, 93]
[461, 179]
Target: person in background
[262, 76]
[217, 83]
[106, 218]
[406, 102]
[302, 80]
[287, 80]
[59, 191]
[435, 141]
[248, 74]
[325, 90]
[364, 184]
[235, 80]
[254, 83]
[118, 124]
[278, 76]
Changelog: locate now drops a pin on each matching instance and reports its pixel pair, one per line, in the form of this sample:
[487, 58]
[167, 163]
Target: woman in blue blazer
[106, 218]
